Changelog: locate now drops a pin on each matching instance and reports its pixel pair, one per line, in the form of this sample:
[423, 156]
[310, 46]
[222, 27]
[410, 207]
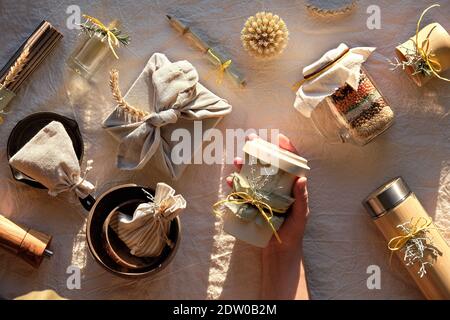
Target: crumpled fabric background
[340, 242]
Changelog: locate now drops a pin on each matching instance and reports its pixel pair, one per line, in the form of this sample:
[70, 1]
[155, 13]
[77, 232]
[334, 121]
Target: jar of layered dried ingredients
[342, 99]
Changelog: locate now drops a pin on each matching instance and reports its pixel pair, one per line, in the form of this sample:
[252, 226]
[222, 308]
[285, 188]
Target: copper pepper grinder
[29, 244]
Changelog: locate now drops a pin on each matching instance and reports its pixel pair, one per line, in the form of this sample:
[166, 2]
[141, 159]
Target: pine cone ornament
[264, 35]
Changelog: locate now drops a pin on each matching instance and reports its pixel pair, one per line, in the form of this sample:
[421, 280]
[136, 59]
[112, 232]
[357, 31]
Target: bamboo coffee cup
[26, 243]
[394, 204]
[439, 46]
[279, 168]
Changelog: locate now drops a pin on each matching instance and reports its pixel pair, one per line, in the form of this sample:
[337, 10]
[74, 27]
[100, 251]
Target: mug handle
[87, 202]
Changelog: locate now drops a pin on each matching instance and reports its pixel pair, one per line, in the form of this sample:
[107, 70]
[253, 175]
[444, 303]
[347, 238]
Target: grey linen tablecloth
[340, 241]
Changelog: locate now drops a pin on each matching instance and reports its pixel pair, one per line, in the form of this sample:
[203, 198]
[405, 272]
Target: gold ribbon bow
[397, 243]
[424, 48]
[223, 66]
[112, 39]
[241, 198]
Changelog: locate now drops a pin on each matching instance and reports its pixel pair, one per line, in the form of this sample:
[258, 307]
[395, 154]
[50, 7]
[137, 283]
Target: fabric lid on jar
[277, 157]
[324, 76]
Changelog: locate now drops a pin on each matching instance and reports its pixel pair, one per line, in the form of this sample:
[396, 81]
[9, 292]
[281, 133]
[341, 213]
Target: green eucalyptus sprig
[91, 29]
[112, 34]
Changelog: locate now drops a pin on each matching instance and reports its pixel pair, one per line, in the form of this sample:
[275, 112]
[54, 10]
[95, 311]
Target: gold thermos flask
[27, 243]
[393, 205]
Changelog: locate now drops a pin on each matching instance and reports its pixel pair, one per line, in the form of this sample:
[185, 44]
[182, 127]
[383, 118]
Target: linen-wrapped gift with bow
[166, 96]
[261, 196]
[146, 232]
[49, 158]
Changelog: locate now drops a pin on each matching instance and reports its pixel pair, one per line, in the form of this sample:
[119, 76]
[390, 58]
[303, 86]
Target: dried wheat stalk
[117, 94]
[17, 67]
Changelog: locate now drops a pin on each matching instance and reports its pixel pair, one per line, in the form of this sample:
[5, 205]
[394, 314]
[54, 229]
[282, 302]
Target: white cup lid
[275, 156]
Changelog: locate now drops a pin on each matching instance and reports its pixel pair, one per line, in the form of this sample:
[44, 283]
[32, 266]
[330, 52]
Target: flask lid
[386, 197]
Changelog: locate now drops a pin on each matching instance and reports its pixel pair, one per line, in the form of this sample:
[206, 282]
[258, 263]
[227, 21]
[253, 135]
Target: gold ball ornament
[264, 35]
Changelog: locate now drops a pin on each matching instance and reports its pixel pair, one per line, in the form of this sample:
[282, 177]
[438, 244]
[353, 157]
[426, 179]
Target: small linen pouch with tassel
[50, 159]
[146, 232]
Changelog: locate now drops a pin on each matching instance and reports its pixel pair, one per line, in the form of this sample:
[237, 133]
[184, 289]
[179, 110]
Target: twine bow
[112, 39]
[241, 198]
[398, 242]
[162, 222]
[160, 219]
[424, 48]
[222, 66]
[79, 183]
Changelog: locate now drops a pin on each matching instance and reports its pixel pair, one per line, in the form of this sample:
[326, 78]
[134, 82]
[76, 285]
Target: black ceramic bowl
[131, 195]
[116, 248]
[28, 127]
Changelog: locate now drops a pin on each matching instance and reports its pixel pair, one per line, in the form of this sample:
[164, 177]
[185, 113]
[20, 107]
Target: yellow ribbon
[241, 198]
[397, 243]
[424, 48]
[222, 66]
[112, 39]
[297, 85]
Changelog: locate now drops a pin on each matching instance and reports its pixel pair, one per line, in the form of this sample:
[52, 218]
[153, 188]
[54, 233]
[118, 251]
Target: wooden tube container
[439, 45]
[27, 243]
[394, 204]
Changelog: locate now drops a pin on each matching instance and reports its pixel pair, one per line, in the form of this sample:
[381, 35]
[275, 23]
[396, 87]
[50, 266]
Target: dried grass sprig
[16, 68]
[117, 95]
[415, 250]
[413, 60]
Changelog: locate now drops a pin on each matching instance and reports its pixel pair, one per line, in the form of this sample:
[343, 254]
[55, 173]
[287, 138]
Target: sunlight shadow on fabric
[442, 205]
[222, 247]
[79, 248]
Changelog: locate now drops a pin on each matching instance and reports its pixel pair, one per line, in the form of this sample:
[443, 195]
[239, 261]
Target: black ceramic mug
[107, 249]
